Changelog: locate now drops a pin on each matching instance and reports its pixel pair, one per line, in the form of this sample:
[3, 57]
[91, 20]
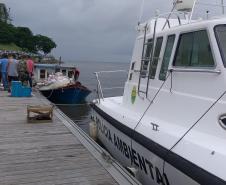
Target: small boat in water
[169, 126]
[71, 94]
[60, 89]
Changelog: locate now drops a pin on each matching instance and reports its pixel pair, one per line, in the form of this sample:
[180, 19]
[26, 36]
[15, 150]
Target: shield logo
[133, 94]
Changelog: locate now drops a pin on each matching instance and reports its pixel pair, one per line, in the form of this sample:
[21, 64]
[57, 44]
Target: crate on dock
[39, 113]
[26, 92]
[20, 91]
[16, 86]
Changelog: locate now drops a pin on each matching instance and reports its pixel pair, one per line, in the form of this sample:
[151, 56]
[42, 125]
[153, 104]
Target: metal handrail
[99, 87]
[169, 15]
[177, 14]
[142, 57]
[110, 88]
[214, 71]
[153, 46]
[192, 11]
[152, 57]
[111, 71]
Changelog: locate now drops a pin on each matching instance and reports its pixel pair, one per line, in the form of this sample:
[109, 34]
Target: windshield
[220, 32]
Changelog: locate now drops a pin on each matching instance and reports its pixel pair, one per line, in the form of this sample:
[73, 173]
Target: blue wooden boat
[71, 94]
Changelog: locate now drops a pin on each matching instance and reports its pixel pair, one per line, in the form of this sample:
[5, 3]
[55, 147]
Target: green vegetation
[22, 36]
[4, 15]
[10, 47]
[43, 43]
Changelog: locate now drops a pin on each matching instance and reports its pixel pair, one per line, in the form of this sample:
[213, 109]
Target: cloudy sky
[86, 30]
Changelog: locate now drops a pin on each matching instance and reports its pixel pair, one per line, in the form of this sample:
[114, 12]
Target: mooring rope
[50, 94]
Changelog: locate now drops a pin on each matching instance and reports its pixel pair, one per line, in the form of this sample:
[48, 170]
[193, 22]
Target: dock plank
[45, 153]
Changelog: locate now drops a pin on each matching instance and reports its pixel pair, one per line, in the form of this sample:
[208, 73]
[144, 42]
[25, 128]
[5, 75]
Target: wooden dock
[50, 153]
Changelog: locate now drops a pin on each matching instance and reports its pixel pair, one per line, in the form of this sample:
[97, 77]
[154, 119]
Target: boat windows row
[193, 50]
[44, 73]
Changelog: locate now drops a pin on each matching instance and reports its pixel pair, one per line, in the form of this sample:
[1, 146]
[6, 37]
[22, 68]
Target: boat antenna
[207, 14]
[222, 4]
[141, 12]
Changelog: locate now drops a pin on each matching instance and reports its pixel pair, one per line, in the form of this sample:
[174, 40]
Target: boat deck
[49, 153]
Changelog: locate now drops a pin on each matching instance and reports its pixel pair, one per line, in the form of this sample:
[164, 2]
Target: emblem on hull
[133, 94]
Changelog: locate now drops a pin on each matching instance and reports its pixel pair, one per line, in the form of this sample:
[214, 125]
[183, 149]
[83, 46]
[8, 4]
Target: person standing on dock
[4, 64]
[0, 74]
[22, 69]
[12, 69]
[30, 69]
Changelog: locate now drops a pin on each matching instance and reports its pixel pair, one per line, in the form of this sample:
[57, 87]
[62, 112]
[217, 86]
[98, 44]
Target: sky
[86, 30]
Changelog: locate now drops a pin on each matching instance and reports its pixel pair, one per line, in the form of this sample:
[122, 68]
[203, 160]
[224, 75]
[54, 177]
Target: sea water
[80, 114]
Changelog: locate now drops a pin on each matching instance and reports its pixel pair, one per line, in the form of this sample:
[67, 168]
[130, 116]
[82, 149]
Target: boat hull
[67, 95]
[118, 144]
[147, 157]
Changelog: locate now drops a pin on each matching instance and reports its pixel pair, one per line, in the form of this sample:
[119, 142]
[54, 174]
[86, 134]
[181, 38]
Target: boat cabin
[42, 71]
[171, 119]
[184, 56]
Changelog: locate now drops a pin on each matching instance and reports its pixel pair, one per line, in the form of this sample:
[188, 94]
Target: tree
[24, 38]
[44, 44]
[7, 33]
[4, 14]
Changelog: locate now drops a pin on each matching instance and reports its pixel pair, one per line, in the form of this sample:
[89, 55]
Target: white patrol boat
[170, 124]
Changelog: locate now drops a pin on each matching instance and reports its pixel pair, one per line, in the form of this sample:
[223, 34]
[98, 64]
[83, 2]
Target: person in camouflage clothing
[22, 70]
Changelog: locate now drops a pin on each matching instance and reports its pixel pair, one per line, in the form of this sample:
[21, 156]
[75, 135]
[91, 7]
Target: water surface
[80, 114]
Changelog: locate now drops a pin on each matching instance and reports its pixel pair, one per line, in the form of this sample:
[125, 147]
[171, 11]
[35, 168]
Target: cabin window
[166, 57]
[148, 49]
[194, 50]
[42, 74]
[57, 70]
[220, 32]
[130, 76]
[70, 74]
[146, 58]
[64, 72]
[133, 65]
[154, 64]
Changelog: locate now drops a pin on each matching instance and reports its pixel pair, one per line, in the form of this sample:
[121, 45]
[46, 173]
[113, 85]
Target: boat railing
[198, 3]
[214, 71]
[212, 4]
[185, 14]
[100, 90]
[167, 16]
[148, 26]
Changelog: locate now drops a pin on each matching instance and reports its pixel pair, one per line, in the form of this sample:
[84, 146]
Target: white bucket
[93, 130]
[184, 5]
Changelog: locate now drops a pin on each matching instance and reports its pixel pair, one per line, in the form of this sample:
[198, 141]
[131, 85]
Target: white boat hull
[170, 122]
[132, 154]
[154, 164]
